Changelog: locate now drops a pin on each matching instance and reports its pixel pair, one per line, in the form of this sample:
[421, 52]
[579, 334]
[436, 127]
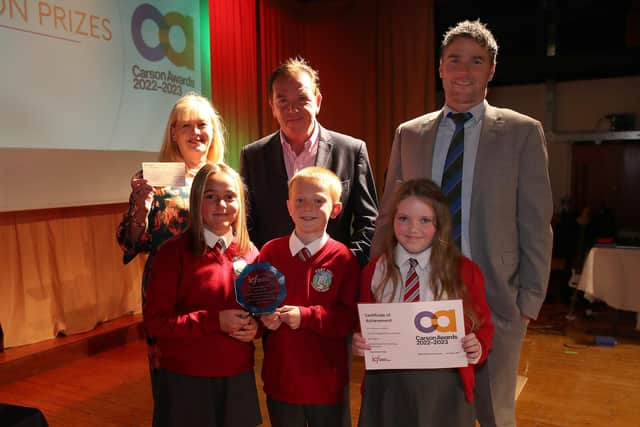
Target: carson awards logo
[428, 322]
[164, 81]
[164, 25]
[448, 323]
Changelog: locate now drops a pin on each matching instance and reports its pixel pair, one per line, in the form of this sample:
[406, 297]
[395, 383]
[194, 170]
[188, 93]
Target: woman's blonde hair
[196, 223]
[186, 108]
[445, 260]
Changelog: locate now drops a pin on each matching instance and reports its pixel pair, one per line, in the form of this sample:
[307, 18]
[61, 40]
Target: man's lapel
[325, 148]
[274, 161]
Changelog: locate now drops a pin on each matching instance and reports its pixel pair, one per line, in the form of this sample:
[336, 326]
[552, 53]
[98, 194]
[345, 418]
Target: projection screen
[86, 87]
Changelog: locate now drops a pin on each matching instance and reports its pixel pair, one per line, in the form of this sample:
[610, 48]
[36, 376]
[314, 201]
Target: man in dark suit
[506, 203]
[267, 164]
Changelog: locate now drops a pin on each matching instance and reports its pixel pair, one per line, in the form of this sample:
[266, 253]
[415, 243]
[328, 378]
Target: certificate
[162, 174]
[417, 335]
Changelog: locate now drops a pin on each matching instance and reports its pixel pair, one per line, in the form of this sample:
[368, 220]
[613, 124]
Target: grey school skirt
[420, 397]
[185, 401]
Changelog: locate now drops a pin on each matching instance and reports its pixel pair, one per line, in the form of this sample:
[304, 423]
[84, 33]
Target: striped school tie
[412, 284]
[452, 174]
[219, 246]
[304, 254]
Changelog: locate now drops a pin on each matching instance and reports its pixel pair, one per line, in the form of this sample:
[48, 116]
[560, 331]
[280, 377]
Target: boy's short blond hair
[328, 180]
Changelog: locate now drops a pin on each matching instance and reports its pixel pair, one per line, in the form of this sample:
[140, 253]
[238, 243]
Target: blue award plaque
[260, 288]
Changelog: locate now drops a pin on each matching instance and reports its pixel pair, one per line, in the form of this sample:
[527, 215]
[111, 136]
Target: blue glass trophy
[260, 288]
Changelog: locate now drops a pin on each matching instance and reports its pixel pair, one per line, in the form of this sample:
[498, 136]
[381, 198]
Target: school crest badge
[321, 280]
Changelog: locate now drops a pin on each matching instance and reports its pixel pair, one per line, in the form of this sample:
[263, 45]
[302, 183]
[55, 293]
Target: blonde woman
[193, 135]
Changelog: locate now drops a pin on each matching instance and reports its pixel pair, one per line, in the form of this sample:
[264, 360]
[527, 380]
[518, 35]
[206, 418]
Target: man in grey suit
[506, 202]
[267, 164]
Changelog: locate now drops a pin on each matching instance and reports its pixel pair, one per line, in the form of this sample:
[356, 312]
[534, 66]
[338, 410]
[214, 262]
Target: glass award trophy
[260, 288]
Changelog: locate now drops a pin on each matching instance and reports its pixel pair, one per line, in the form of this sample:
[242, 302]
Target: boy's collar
[295, 244]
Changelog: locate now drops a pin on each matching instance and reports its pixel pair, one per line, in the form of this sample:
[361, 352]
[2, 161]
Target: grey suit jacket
[264, 173]
[511, 204]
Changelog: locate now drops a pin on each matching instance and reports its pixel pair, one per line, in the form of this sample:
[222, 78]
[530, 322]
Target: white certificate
[413, 335]
[161, 174]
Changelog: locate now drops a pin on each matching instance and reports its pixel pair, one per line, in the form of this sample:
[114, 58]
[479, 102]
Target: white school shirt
[401, 258]
[295, 244]
[211, 238]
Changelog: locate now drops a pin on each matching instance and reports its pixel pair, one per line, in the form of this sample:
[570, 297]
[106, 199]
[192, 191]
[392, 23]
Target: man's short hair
[290, 68]
[474, 30]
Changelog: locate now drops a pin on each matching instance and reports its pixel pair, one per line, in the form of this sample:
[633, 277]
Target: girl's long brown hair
[196, 225]
[445, 255]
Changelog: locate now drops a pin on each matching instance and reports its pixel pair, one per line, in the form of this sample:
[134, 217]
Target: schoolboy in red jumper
[305, 368]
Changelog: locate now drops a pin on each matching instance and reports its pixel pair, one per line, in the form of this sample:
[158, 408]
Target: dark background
[592, 39]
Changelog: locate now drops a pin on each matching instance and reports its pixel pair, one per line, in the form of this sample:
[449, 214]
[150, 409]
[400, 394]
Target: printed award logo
[448, 323]
[442, 322]
[164, 24]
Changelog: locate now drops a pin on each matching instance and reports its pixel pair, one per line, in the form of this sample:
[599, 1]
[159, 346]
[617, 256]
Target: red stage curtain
[375, 58]
[234, 71]
[405, 73]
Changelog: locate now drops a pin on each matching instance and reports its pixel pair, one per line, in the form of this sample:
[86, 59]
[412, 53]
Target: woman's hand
[142, 194]
[271, 321]
[472, 347]
[359, 344]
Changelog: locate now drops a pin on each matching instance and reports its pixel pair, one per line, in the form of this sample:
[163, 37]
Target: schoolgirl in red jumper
[305, 368]
[205, 350]
[421, 237]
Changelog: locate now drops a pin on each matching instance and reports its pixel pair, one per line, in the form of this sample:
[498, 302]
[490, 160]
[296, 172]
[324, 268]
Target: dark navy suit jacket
[263, 171]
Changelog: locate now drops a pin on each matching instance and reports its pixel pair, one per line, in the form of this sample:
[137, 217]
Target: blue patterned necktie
[452, 174]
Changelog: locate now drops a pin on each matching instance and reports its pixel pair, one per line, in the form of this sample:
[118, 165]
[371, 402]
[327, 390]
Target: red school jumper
[309, 365]
[474, 281]
[184, 296]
